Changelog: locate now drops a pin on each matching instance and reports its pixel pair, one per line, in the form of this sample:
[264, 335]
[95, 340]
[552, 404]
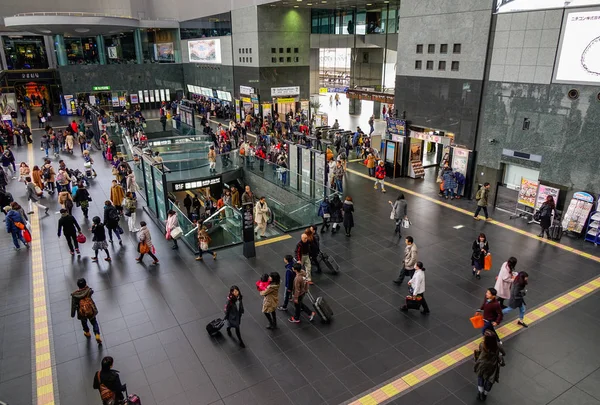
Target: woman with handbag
[480, 249]
[544, 216]
[171, 223]
[203, 243]
[145, 244]
[488, 360]
[517, 297]
[504, 281]
[416, 288]
[399, 213]
[99, 239]
[108, 383]
[82, 198]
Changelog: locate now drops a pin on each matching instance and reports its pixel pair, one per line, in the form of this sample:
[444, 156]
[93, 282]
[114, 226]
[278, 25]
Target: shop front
[33, 87]
[285, 99]
[393, 147]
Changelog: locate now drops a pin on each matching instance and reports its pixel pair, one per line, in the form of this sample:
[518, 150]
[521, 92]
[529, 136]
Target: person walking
[212, 160]
[449, 183]
[517, 297]
[303, 253]
[482, 196]
[546, 211]
[492, 311]
[234, 309]
[49, 176]
[172, 223]
[8, 163]
[261, 215]
[338, 177]
[65, 199]
[110, 380]
[187, 203]
[248, 196]
[504, 280]
[99, 238]
[235, 197]
[82, 198]
[336, 213]
[111, 220]
[480, 249]
[488, 360]
[371, 163]
[145, 244]
[325, 213]
[271, 299]
[380, 176]
[315, 245]
[204, 240]
[399, 213]
[83, 305]
[288, 260]
[348, 209]
[117, 195]
[15, 223]
[33, 194]
[67, 225]
[300, 290]
[410, 260]
[417, 285]
[163, 122]
[129, 209]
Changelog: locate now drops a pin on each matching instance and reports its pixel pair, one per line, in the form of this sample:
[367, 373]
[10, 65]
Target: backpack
[86, 308]
[479, 194]
[60, 178]
[113, 215]
[46, 173]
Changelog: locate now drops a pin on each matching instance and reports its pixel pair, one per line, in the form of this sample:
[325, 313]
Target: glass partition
[25, 52]
[120, 48]
[149, 185]
[159, 45]
[161, 204]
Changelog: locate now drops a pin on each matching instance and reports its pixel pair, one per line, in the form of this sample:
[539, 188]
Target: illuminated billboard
[205, 51]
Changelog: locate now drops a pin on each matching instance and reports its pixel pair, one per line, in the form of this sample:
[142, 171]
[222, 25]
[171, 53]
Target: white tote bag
[405, 223]
[176, 233]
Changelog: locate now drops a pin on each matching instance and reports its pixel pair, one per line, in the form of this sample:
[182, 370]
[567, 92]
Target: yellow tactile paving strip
[429, 370]
[494, 222]
[272, 240]
[42, 367]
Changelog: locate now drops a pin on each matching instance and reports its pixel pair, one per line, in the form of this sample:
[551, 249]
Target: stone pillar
[137, 40]
[3, 64]
[101, 49]
[377, 109]
[177, 48]
[354, 106]
[61, 52]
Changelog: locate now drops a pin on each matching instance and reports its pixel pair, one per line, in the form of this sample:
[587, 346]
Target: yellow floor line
[44, 378]
[425, 373]
[493, 221]
[272, 240]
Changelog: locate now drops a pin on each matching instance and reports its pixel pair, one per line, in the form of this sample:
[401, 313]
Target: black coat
[233, 315]
[477, 256]
[545, 215]
[111, 380]
[68, 225]
[348, 208]
[335, 207]
[108, 213]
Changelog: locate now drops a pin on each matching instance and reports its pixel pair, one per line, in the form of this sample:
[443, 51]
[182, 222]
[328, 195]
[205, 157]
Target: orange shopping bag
[477, 321]
[487, 262]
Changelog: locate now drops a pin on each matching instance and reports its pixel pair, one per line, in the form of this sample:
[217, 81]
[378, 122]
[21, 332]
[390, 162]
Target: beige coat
[270, 298]
[410, 256]
[117, 194]
[261, 213]
[143, 235]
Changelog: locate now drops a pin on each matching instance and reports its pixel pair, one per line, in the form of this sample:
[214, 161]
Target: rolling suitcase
[321, 307]
[132, 399]
[215, 326]
[329, 262]
[556, 231]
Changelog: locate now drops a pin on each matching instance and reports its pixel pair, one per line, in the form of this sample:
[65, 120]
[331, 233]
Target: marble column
[101, 49]
[61, 52]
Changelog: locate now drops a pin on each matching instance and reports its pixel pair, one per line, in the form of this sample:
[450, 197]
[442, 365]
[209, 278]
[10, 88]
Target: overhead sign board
[285, 91]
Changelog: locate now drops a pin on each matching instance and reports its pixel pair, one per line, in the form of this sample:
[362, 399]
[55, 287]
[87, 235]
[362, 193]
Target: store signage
[100, 88]
[285, 100]
[580, 195]
[396, 126]
[247, 90]
[444, 140]
[254, 98]
[322, 90]
[508, 6]
[29, 76]
[285, 91]
[246, 100]
[196, 184]
[370, 96]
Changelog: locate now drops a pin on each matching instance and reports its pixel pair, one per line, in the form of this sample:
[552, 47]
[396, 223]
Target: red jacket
[492, 311]
[380, 172]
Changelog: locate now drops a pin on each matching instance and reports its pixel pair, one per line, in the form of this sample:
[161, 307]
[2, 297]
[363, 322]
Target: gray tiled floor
[153, 318]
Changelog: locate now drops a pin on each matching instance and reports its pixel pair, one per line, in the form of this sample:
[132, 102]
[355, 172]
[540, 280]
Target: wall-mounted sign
[507, 6]
[285, 91]
[31, 76]
[133, 98]
[205, 51]
[285, 100]
[579, 55]
[100, 88]
[371, 96]
[112, 52]
[444, 140]
[247, 90]
[196, 184]
[396, 126]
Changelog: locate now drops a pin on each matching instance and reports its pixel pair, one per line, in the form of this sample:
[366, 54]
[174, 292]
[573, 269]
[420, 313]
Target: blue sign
[396, 126]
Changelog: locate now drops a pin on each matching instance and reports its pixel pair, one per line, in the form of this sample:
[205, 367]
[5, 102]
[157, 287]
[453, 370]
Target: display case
[593, 234]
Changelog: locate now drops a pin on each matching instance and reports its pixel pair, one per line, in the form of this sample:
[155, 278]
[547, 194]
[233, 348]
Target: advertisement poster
[577, 214]
[122, 101]
[69, 104]
[115, 100]
[579, 55]
[266, 109]
[112, 52]
[527, 192]
[164, 52]
[304, 105]
[205, 51]
[508, 6]
[396, 126]
[306, 171]
[237, 110]
[162, 95]
[460, 158]
[141, 96]
[93, 100]
[146, 96]
[543, 192]
[134, 98]
[415, 149]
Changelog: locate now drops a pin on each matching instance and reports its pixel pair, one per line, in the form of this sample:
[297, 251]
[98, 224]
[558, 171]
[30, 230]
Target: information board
[527, 192]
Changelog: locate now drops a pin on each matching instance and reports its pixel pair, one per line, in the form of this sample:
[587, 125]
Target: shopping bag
[413, 303]
[81, 238]
[177, 232]
[405, 223]
[26, 235]
[477, 321]
[487, 262]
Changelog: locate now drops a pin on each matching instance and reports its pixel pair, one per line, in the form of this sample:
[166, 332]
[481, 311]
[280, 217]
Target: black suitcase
[321, 307]
[329, 262]
[556, 231]
[214, 326]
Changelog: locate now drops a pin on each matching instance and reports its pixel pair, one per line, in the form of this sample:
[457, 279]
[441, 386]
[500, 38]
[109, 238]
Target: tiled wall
[524, 46]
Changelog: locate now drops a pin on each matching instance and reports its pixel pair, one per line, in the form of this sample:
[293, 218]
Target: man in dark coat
[68, 225]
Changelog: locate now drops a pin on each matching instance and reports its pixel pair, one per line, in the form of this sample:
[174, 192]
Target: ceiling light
[386, 1]
[299, 1]
[45, 31]
[296, 6]
[324, 1]
[369, 4]
[81, 29]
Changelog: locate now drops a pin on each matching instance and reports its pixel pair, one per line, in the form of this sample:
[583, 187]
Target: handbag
[143, 248]
[477, 321]
[413, 303]
[81, 238]
[177, 232]
[106, 394]
[38, 191]
[26, 235]
[203, 245]
[537, 216]
[405, 223]
[487, 262]
[392, 215]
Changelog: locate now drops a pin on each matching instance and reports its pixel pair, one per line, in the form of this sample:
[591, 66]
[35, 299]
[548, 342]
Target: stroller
[78, 176]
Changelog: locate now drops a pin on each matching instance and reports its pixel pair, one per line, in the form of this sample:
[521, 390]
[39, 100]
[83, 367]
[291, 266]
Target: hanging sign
[285, 91]
[528, 192]
[247, 90]
[196, 184]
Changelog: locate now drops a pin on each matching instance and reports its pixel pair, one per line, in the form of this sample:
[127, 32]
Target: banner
[543, 192]
[527, 192]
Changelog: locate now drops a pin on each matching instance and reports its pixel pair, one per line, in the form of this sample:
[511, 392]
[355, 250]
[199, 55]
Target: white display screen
[205, 51]
[508, 6]
[579, 55]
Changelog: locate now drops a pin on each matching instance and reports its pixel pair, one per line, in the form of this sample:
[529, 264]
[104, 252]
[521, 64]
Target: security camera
[492, 140]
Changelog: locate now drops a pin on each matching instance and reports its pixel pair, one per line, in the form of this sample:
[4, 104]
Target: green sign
[100, 88]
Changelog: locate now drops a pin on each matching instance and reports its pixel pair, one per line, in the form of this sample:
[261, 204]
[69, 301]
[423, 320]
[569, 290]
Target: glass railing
[198, 168]
[156, 140]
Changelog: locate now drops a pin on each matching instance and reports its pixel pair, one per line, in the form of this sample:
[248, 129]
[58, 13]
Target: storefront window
[159, 45]
[25, 52]
[120, 48]
[334, 67]
[82, 51]
[218, 25]
[350, 21]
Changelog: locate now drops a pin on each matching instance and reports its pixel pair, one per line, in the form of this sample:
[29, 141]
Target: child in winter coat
[263, 283]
